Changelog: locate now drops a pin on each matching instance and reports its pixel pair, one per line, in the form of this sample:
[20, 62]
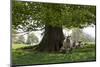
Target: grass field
[16, 46]
[24, 57]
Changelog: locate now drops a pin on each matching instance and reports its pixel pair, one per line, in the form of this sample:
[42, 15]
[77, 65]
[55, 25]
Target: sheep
[67, 45]
[79, 45]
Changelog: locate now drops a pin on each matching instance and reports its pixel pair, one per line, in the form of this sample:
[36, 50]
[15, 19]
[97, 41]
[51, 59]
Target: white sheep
[67, 45]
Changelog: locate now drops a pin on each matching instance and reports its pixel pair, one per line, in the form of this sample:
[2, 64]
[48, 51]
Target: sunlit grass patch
[16, 46]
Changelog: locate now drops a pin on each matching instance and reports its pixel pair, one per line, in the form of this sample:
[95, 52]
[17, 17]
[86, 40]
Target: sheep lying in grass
[77, 44]
[69, 45]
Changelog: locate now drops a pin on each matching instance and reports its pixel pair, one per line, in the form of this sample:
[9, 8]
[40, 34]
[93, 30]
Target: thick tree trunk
[52, 40]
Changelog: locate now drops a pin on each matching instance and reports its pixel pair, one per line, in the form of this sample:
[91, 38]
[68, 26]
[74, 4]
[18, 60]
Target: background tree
[32, 38]
[31, 16]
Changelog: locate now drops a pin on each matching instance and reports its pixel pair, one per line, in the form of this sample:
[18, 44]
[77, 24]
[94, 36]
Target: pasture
[30, 56]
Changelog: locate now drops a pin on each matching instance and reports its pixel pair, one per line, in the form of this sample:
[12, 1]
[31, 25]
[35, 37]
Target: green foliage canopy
[32, 15]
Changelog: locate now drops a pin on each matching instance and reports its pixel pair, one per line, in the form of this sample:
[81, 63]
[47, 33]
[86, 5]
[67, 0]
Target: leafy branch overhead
[33, 15]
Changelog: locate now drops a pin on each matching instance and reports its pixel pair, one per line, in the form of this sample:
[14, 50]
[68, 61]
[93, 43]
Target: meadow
[26, 56]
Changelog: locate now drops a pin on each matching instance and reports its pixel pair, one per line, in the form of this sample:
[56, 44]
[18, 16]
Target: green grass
[16, 46]
[24, 56]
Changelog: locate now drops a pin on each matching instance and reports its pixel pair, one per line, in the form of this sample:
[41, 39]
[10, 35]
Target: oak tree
[52, 17]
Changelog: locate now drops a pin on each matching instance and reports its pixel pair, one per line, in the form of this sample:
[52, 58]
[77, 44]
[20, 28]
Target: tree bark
[52, 40]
